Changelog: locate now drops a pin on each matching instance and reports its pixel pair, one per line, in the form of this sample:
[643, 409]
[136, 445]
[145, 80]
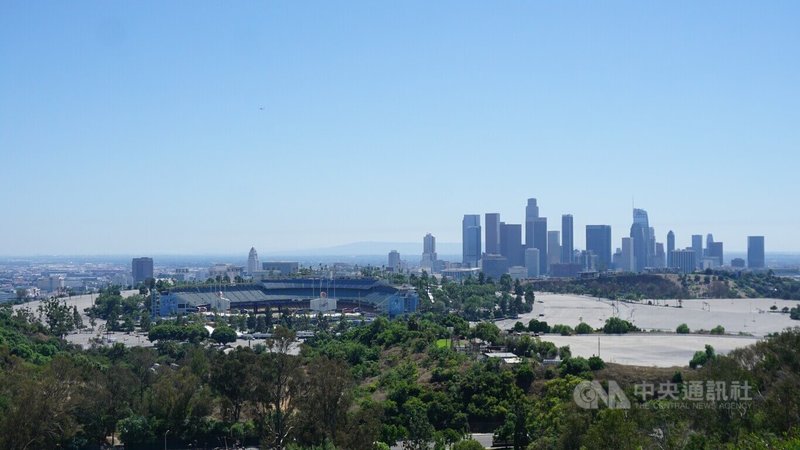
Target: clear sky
[184, 127]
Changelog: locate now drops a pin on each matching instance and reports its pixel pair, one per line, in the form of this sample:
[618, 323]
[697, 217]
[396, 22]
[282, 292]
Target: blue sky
[137, 127]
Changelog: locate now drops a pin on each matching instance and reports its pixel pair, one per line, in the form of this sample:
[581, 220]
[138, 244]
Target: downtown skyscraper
[640, 233]
[670, 247]
[755, 252]
[540, 242]
[492, 223]
[598, 243]
[531, 214]
[471, 240]
[567, 241]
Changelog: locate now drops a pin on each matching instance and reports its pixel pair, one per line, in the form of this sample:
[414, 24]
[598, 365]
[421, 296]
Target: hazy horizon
[170, 128]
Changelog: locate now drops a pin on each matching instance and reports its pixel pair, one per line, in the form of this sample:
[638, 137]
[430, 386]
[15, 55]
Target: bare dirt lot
[663, 348]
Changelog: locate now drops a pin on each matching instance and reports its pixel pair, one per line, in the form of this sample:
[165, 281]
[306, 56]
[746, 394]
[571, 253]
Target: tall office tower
[493, 233]
[670, 247]
[616, 259]
[709, 242]
[253, 265]
[471, 240]
[540, 242]
[567, 242]
[651, 247]
[627, 258]
[715, 251]
[141, 269]
[660, 258]
[394, 260]
[755, 252]
[697, 246]
[531, 214]
[553, 248]
[598, 243]
[494, 266]
[429, 256]
[640, 233]
[511, 243]
[684, 260]
[532, 261]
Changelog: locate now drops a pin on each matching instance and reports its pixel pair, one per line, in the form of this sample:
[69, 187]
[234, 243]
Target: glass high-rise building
[511, 243]
[567, 241]
[531, 214]
[471, 240]
[697, 246]
[141, 269]
[640, 233]
[598, 242]
[755, 252]
[540, 242]
[715, 250]
[492, 222]
[670, 247]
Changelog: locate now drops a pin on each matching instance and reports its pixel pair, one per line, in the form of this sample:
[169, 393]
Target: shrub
[574, 366]
[535, 326]
[467, 444]
[583, 328]
[683, 329]
[719, 329]
[596, 363]
[615, 325]
[564, 330]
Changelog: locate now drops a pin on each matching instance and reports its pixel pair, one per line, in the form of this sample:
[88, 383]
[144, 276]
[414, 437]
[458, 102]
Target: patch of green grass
[443, 343]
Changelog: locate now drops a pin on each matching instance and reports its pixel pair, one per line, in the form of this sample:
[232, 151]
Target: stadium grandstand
[367, 294]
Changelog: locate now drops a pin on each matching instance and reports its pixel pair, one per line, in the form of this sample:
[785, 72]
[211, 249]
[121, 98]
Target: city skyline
[163, 128]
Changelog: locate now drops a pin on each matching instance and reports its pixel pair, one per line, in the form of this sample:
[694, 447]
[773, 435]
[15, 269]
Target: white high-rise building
[627, 260]
[253, 265]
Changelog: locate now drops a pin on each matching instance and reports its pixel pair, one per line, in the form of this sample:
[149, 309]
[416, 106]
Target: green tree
[612, 429]
[615, 325]
[701, 358]
[57, 315]
[279, 379]
[536, 326]
[136, 432]
[145, 321]
[487, 331]
[719, 329]
[683, 329]
[223, 335]
[583, 328]
[326, 400]
[420, 430]
[596, 363]
[77, 321]
[231, 375]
